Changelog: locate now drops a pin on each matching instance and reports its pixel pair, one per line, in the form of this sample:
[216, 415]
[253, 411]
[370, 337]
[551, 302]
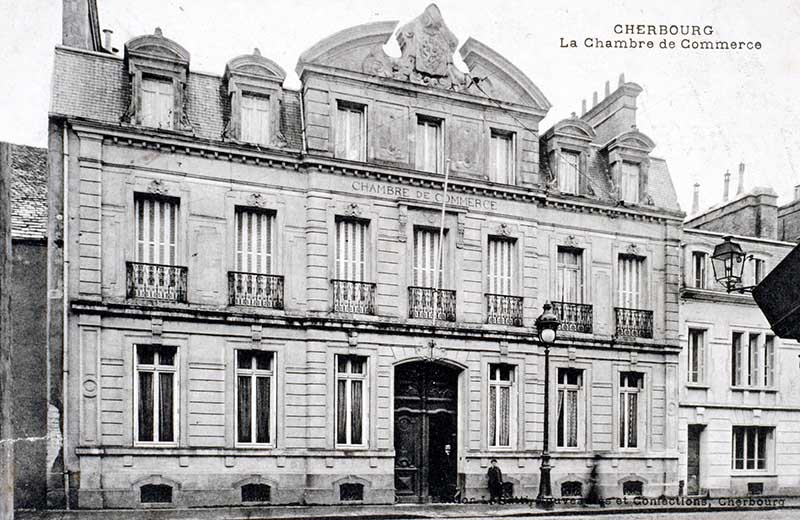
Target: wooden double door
[425, 432]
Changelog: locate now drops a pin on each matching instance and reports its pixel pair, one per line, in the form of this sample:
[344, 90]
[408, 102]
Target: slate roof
[28, 192]
[97, 87]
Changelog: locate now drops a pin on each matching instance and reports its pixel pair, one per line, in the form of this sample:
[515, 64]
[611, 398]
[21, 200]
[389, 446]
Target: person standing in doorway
[495, 476]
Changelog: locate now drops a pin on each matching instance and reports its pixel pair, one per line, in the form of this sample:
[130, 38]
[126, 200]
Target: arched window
[572, 488]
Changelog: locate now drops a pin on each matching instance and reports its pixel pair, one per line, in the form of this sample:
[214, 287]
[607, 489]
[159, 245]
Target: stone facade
[360, 162]
[722, 393]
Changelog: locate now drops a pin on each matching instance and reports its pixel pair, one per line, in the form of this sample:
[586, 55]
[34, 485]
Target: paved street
[775, 514]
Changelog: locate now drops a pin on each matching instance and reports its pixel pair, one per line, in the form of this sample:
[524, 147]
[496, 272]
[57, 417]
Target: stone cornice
[376, 324]
[708, 295]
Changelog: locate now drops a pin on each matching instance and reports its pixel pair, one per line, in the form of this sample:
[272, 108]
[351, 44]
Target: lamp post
[546, 327]
[728, 264]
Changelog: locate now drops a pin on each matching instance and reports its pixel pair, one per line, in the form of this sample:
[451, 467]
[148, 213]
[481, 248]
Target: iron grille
[575, 317]
[635, 323]
[421, 303]
[353, 297]
[255, 290]
[157, 281]
[504, 310]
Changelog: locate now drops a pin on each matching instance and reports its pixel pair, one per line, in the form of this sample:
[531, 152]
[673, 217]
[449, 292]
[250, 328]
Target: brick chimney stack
[80, 27]
[740, 189]
[696, 198]
[726, 189]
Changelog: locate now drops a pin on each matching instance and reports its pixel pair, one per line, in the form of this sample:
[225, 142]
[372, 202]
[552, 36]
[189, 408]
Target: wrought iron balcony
[634, 323]
[575, 317]
[157, 281]
[421, 303]
[255, 290]
[504, 310]
[353, 297]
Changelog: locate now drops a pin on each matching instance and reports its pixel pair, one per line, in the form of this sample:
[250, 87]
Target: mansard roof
[427, 47]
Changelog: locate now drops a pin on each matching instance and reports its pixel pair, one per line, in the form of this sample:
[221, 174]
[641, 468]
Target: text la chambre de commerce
[662, 37]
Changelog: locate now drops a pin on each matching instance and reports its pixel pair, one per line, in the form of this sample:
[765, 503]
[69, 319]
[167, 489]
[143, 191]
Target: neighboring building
[28, 168]
[251, 272]
[789, 219]
[739, 398]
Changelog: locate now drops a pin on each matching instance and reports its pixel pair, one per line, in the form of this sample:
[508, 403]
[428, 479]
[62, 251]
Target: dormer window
[255, 119]
[254, 85]
[501, 157]
[159, 70]
[158, 102]
[568, 171]
[629, 182]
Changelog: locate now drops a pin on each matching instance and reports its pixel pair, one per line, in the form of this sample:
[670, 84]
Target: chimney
[740, 189]
[727, 187]
[583, 107]
[79, 25]
[797, 192]
[621, 79]
[107, 39]
[594, 98]
[696, 198]
[608, 88]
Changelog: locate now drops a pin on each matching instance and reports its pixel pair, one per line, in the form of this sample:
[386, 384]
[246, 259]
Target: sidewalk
[412, 511]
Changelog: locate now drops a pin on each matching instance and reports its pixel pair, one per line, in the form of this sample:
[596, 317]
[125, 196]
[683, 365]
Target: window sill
[771, 390]
[753, 473]
[698, 386]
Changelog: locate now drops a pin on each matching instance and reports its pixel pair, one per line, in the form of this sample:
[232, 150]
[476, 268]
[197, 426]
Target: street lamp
[546, 328]
[728, 264]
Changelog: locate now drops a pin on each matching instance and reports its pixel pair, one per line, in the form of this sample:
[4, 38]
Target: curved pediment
[632, 139]
[255, 65]
[157, 46]
[575, 127]
[508, 81]
[427, 49]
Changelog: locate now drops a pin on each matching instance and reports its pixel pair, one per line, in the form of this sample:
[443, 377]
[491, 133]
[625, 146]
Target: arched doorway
[425, 431]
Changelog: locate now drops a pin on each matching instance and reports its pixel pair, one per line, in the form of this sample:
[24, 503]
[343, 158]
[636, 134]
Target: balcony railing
[634, 323]
[157, 281]
[575, 317]
[255, 290]
[421, 303]
[504, 310]
[353, 297]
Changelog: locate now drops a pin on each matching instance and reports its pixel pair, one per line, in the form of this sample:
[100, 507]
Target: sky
[707, 110]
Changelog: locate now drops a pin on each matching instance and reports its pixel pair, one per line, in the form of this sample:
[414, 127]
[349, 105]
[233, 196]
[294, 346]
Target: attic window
[158, 102]
[255, 115]
[629, 182]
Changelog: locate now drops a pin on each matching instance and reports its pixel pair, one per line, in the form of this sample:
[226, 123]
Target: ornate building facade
[254, 309]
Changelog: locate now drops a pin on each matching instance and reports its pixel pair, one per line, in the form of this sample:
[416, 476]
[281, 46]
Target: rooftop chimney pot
[583, 107]
[107, 39]
[608, 88]
[740, 188]
[594, 98]
[727, 186]
[696, 198]
[621, 79]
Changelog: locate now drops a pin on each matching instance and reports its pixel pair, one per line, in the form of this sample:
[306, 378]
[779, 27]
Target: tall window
[568, 172]
[501, 157]
[569, 279]
[631, 385]
[350, 132]
[699, 260]
[759, 270]
[753, 360]
[157, 102]
[750, 447]
[696, 354]
[254, 396]
[630, 284]
[254, 241]
[629, 182]
[351, 409]
[351, 236]
[156, 395]
[501, 266]
[426, 258]
[570, 384]
[501, 405]
[156, 230]
[429, 145]
[255, 119]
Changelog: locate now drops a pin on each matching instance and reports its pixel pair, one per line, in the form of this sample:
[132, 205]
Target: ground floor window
[351, 379]
[254, 396]
[751, 447]
[156, 393]
[501, 405]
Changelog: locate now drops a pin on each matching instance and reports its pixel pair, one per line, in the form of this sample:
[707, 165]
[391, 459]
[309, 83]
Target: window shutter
[630, 270]
[426, 257]
[501, 266]
[254, 247]
[350, 250]
[255, 119]
[156, 230]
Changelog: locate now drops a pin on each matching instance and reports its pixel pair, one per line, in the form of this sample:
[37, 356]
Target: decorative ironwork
[421, 303]
[575, 317]
[255, 290]
[504, 310]
[157, 281]
[635, 323]
[353, 297]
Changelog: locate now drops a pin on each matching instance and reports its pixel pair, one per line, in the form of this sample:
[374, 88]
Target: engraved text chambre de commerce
[665, 37]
